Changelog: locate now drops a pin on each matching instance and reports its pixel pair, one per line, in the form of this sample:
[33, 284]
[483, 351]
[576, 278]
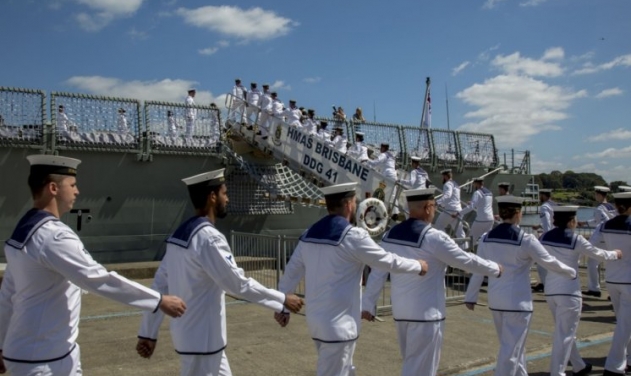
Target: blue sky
[550, 76]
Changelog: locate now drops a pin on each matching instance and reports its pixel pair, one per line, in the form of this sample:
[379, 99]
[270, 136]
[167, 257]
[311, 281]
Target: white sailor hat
[622, 195]
[339, 191]
[509, 200]
[601, 189]
[207, 179]
[478, 179]
[503, 184]
[545, 190]
[43, 165]
[415, 158]
[565, 209]
[385, 144]
[445, 171]
[419, 194]
[624, 188]
[359, 134]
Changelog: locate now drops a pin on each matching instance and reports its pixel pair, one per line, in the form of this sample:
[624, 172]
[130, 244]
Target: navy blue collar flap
[607, 206]
[620, 224]
[485, 192]
[183, 235]
[409, 233]
[505, 233]
[562, 238]
[29, 223]
[329, 230]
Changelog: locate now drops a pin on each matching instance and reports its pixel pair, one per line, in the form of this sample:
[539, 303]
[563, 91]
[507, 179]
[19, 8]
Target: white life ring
[372, 216]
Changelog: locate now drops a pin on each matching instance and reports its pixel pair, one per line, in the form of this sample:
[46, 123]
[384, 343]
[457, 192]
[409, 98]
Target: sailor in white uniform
[191, 113]
[310, 124]
[265, 104]
[603, 212]
[252, 97]
[47, 269]
[199, 266]
[323, 134]
[450, 203]
[278, 109]
[502, 190]
[482, 204]
[339, 140]
[292, 114]
[510, 297]
[237, 110]
[418, 176]
[123, 128]
[545, 215]
[418, 304]
[564, 294]
[358, 150]
[331, 256]
[385, 162]
[63, 123]
[171, 124]
[617, 235]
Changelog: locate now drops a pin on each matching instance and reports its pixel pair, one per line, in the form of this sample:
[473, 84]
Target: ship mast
[425, 107]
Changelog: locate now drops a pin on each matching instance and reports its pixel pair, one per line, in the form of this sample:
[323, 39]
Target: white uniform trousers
[190, 120]
[420, 344]
[512, 330]
[68, 366]
[566, 312]
[445, 219]
[251, 114]
[619, 353]
[336, 358]
[593, 274]
[265, 120]
[238, 110]
[205, 365]
[478, 228]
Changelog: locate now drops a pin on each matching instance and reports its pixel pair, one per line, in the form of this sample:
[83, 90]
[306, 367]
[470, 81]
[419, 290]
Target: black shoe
[597, 294]
[585, 371]
[395, 217]
[258, 133]
[538, 287]
[264, 138]
[249, 127]
[609, 373]
[628, 368]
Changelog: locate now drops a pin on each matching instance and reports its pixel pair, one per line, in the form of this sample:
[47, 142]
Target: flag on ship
[427, 112]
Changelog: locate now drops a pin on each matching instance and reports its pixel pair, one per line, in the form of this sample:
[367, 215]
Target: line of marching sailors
[48, 267]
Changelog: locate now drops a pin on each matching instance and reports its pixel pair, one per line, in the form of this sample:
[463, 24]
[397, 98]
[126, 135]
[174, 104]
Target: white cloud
[532, 3]
[486, 54]
[516, 64]
[279, 85]
[137, 34]
[514, 108]
[223, 43]
[490, 4]
[104, 12]
[609, 93]
[460, 68]
[616, 134]
[250, 24]
[168, 90]
[554, 53]
[312, 80]
[620, 61]
[208, 51]
[586, 56]
[611, 153]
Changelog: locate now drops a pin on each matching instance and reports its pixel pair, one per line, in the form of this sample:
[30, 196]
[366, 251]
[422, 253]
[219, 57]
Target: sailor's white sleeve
[599, 216]
[6, 306]
[364, 249]
[294, 272]
[151, 321]
[537, 251]
[475, 282]
[218, 262]
[375, 162]
[447, 192]
[412, 178]
[374, 285]
[546, 219]
[448, 252]
[597, 235]
[587, 249]
[473, 205]
[65, 254]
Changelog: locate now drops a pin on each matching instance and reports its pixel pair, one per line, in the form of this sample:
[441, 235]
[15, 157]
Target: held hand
[424, 267]
[293, 303]
[172, 306]
[618, 253]
[501, 270]
[282, 318]
[145, 347]
[454, 215]
[368, 316]
[470, 306]
[3, 369]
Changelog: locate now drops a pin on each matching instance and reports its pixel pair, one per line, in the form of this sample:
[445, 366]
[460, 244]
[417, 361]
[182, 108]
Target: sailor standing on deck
[200, 266]
[238, 102]
[482, 203]
[293, 114]
[265, 104]
[545, 214]
[418, 176]
[564, 294]
[252, 97]
[358, 150]
[617, 234]
[503, 190]
[63, 123]
[323, 133]
[603, 212]
[310, 124]
[47, 269]
[418, 304]
[339, 140]
[510, 297]
[191, 113]
[331, 256]
[450, 203]
[385, 162]
[278, 109]
[123, 128]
